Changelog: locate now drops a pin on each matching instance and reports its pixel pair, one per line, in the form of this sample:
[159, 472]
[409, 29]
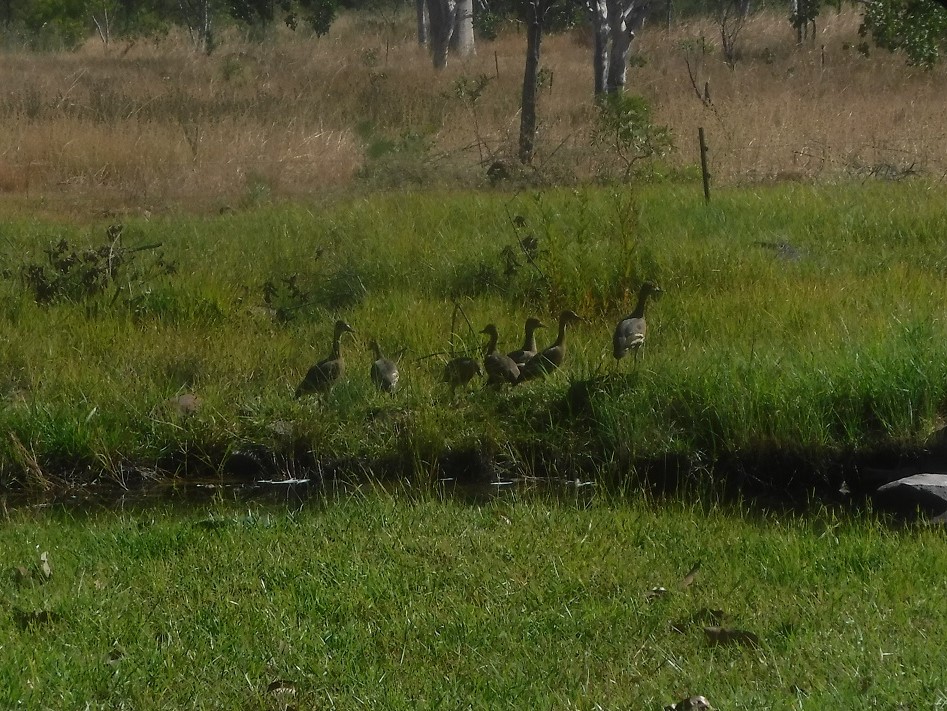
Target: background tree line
[916, 27]
[449, 27]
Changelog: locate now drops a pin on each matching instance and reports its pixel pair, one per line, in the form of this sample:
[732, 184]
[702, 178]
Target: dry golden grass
[146, 125]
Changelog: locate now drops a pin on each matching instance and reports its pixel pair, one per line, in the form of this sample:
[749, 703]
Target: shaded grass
[416, 602]
[832, 347]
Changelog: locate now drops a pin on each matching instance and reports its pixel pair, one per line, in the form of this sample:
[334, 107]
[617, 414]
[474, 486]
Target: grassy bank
[833, 342]
[423, 603]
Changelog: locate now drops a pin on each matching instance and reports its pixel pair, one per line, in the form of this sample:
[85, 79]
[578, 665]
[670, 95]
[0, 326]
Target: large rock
[926, 493]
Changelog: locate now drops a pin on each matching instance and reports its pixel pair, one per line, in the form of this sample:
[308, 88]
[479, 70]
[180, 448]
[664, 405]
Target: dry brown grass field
[148, 125]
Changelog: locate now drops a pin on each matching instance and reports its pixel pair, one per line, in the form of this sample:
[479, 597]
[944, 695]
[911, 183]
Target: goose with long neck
[631, 331]
[384, 372]
[529, 348]
[500, 368]
[324, 374]
[550, 358]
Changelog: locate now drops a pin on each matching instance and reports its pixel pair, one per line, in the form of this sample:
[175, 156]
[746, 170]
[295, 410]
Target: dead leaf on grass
[26, 619]
[691, 703]
[704, 616]
[691, 576]
[45, 569]
[281, 686]
[729, 635]
[115, 655]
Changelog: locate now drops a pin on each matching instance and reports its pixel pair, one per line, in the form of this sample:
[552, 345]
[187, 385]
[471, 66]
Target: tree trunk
[207, 27]
[199, 20]
[421, 9]
[441, 14]
[626, 19]
[620, 48]
[103, 25]
[534, 37]
[463, 40]
[600, 58]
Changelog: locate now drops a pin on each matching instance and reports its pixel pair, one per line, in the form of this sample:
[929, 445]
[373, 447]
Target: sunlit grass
[835, 345]
[412, 602]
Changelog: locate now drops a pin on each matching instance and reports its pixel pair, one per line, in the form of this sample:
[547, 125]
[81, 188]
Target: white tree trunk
[625, 18]
[441, 14]
[197, 15]
[423, 22]
[463, 39]
[600, 58]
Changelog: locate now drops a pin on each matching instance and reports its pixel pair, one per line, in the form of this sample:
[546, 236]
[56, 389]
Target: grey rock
[925, 492]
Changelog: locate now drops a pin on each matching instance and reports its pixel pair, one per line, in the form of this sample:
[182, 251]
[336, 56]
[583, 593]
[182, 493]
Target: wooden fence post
[703, 163]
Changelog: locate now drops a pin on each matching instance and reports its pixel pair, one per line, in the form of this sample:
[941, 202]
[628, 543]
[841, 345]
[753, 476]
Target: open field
[177, 226]
[830, 349]
[145, 126]
[407, 602]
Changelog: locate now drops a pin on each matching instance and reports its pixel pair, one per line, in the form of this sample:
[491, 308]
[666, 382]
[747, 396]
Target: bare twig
[453, 322]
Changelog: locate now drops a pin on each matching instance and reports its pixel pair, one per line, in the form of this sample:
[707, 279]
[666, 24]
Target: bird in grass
[384, 372]
[325, 373]
[631, 331]
[460, 371]
[500, 368]
[550, 358]
[529, 348]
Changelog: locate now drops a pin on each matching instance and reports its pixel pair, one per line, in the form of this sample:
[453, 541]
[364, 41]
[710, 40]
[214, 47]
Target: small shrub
[624, 126]
[395, 162]
[71, 274]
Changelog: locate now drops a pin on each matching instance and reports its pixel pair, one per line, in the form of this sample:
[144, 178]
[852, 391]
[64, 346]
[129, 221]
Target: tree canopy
[916, 27]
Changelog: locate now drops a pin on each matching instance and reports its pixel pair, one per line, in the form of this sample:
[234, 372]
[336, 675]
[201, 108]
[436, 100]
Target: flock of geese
[527, 363]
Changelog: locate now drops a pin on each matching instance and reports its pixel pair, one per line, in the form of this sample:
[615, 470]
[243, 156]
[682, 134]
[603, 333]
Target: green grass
[419, 602]
[840, 351]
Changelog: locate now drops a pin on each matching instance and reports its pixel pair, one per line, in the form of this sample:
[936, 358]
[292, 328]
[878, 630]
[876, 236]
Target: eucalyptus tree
[198, 17]
[535, 13]
[615, 23]
[450, 29]
[918, 28]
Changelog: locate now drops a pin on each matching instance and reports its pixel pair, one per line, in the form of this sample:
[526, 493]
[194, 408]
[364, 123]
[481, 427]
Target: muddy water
[289, 492]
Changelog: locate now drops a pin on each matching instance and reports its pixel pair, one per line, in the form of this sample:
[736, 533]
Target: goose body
[384, 372]
[529, 348]
[500, 368]
[324, 374]
[631, 331]
[549, 359]
[460, 371]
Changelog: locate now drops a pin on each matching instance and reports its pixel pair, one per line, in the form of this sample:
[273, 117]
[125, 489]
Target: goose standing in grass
[631, 331]
[529, 348]
[384, 372]
[549, 359]
[460, 371]
[326, 372]
[500, 368]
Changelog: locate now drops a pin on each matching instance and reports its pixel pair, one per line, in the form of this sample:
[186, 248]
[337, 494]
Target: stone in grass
[186, 404]
[691, 703]
[926, 493]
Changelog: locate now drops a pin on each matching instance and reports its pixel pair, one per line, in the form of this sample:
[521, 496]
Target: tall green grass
[835, 343]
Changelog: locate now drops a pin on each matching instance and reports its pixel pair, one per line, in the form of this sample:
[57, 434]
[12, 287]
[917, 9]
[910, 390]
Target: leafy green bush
[624, 126]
